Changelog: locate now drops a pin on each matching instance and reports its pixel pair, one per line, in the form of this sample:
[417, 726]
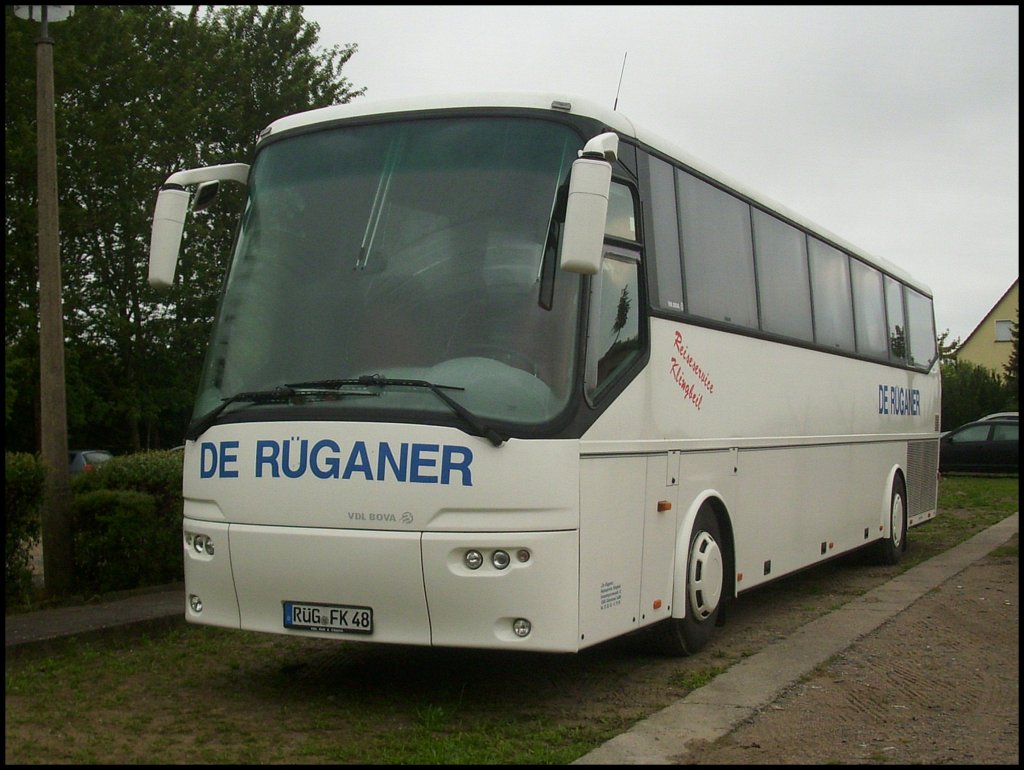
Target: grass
[967, 505]
[693, 680]
[134, 701]
[205, 695]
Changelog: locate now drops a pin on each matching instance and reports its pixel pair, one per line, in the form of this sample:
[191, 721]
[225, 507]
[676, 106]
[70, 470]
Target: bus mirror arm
[587, 207]
[604, 146]
[169, 215]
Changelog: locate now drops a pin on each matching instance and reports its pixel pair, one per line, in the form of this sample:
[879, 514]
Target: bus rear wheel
[705, 589]
[891, 547]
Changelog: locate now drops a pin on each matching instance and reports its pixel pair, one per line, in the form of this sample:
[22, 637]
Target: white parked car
[1000, 416]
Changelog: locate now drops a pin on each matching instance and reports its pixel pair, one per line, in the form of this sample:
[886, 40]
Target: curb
[716, 709]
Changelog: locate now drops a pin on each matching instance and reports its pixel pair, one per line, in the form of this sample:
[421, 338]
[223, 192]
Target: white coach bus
[508, 372]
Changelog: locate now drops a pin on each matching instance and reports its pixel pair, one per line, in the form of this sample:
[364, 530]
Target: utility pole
[56, 513]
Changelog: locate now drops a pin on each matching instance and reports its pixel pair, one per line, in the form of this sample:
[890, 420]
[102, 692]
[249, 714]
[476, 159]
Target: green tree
[142, 91]
[969, 391]
[1011, 369]
[622, 312]
[947, 350]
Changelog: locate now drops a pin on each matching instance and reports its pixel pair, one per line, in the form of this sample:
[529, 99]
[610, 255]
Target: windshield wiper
[379, 381]
[199, 426]
[281, 394]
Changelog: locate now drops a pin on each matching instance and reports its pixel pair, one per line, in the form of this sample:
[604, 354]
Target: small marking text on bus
[899, 401]
[611, 594]
[682, 367]
[412, 463]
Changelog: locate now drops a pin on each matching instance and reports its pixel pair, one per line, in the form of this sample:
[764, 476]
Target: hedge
[126, 519]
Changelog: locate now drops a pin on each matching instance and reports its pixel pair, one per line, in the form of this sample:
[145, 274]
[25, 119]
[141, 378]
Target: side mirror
[169, 214]
[168, 225]
[206, 194]
[587, 207]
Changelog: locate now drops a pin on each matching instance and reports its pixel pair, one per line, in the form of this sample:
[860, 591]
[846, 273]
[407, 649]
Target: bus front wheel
[705, 584]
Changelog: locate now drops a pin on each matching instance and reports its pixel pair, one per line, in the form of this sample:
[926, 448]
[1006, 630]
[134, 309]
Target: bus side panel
[659, 548]
[477, 607]
[713, 389]
[365, 568]
[798, 506]
[612, 493]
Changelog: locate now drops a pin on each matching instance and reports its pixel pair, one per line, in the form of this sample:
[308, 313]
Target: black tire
[890, 548]
[706, 562]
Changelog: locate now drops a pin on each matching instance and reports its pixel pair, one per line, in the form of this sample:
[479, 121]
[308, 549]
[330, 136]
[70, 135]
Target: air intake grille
[922, 470]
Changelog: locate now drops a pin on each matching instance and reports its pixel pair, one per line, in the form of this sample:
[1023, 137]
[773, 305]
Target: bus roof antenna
[616, 105]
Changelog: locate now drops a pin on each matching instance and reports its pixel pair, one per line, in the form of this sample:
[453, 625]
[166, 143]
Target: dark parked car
[87, 460]
[986, 446]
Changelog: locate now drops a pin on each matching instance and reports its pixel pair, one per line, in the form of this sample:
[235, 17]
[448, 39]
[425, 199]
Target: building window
[1003, 329]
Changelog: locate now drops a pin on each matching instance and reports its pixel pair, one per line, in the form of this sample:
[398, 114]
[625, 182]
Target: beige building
[989, 343]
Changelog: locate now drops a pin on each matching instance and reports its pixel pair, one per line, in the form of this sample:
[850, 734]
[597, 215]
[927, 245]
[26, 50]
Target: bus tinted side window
[782, 280]
[921, 324]
[712, 255]
[718, 253]
[615, 304]
[615, 324]
[662, 238]
[620, 221]
[830, 293]
[897, 323]
[869, 310]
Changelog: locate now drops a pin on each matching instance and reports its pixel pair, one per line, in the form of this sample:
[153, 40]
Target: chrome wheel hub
[706, 575]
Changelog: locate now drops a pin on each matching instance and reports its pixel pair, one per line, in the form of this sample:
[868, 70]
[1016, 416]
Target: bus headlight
[200, 543]
[500, 559]
[521, 627]
[473, 559]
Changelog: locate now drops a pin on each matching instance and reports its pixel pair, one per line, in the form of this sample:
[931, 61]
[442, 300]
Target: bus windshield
[396, 251]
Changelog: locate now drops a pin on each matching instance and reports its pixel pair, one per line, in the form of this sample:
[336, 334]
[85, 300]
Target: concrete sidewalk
[158, 606]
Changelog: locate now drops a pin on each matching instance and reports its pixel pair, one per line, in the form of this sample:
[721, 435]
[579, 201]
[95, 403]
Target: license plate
[332, 618]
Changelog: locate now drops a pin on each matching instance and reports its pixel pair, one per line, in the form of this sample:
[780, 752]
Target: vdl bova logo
[294, 458]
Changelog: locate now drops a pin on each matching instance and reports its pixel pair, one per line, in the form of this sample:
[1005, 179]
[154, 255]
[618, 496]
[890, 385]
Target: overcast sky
[896, 128]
